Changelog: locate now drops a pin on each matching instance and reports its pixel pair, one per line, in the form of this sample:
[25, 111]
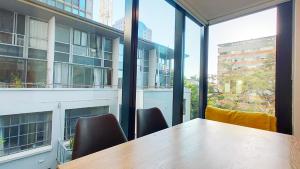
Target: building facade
[58, 66]
[143, 32]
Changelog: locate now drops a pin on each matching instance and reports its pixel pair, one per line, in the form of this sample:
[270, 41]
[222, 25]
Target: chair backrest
[96, 133]
[150, 121]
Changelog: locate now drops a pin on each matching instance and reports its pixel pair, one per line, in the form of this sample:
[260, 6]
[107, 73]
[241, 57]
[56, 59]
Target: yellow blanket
[255, 120]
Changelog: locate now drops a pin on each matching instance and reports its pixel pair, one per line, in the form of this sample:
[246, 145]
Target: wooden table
[199, 144]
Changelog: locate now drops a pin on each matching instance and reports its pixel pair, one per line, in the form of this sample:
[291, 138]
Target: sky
[159, 16]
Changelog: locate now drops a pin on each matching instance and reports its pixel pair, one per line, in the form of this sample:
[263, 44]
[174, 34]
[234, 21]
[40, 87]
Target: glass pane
[77, 36]
[242, 63]
[6, 37]
[21, 24]
[59, 58]
[79, 50]
[62, 34]
[38, 54]
[83, 39]
[6, 20]
[107, 55]
[9, 50]
[36, 73]
[61, 47]
[82, 4]
[82, 77]
[38, 34]
[12, 72]
[107, 45]
[155, 59]
[191, 70]
[17, 136]
[107, 77]
[83, 60]
[76, 2]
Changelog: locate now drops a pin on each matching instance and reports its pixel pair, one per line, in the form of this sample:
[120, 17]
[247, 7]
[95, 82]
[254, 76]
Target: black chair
[96, 133]
[150, 121]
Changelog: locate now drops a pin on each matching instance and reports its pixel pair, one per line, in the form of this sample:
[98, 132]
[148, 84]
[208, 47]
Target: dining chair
[94, 134]
[150, 121]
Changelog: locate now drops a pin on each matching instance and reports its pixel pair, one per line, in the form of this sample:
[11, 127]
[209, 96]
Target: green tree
[194, 88]
[257, 91]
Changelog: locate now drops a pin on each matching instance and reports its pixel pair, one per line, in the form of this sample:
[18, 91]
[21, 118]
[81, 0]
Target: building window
[61, 75]
[82, 76]
[38, 34]
[72, 116]
[36, 74]
[12, 72]
[80, 43]
[21, 132]
[77, 37]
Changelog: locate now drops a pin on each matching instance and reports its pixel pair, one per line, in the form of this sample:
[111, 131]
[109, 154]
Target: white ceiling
[215, 11]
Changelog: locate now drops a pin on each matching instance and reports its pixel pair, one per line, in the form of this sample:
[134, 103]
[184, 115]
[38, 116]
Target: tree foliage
[257, 90]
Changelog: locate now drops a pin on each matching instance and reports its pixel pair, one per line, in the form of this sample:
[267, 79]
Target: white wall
[296, 71]
[57, 101]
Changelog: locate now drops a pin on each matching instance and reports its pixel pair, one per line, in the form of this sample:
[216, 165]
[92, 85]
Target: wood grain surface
[199, 144]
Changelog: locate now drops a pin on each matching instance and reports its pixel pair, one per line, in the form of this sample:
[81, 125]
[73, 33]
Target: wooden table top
[199, 144]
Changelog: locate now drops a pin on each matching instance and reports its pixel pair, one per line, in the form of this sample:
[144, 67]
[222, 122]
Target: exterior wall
[296, 71]
[57, 101]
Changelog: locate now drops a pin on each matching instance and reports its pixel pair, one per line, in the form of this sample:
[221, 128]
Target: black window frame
[283, 92]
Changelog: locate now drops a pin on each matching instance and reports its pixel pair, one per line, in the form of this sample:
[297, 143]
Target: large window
[242, 63]
[19, 67]
[155, 60]
[22, 132]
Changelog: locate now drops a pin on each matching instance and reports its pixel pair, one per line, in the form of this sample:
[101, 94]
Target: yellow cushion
[249, 119]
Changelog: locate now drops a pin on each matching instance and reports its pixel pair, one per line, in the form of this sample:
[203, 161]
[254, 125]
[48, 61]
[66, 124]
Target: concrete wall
[296, 71]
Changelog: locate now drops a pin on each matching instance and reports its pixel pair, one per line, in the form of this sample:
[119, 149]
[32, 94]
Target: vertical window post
[127, 116]
[178, 88]
[203, 71]
[283, 89]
